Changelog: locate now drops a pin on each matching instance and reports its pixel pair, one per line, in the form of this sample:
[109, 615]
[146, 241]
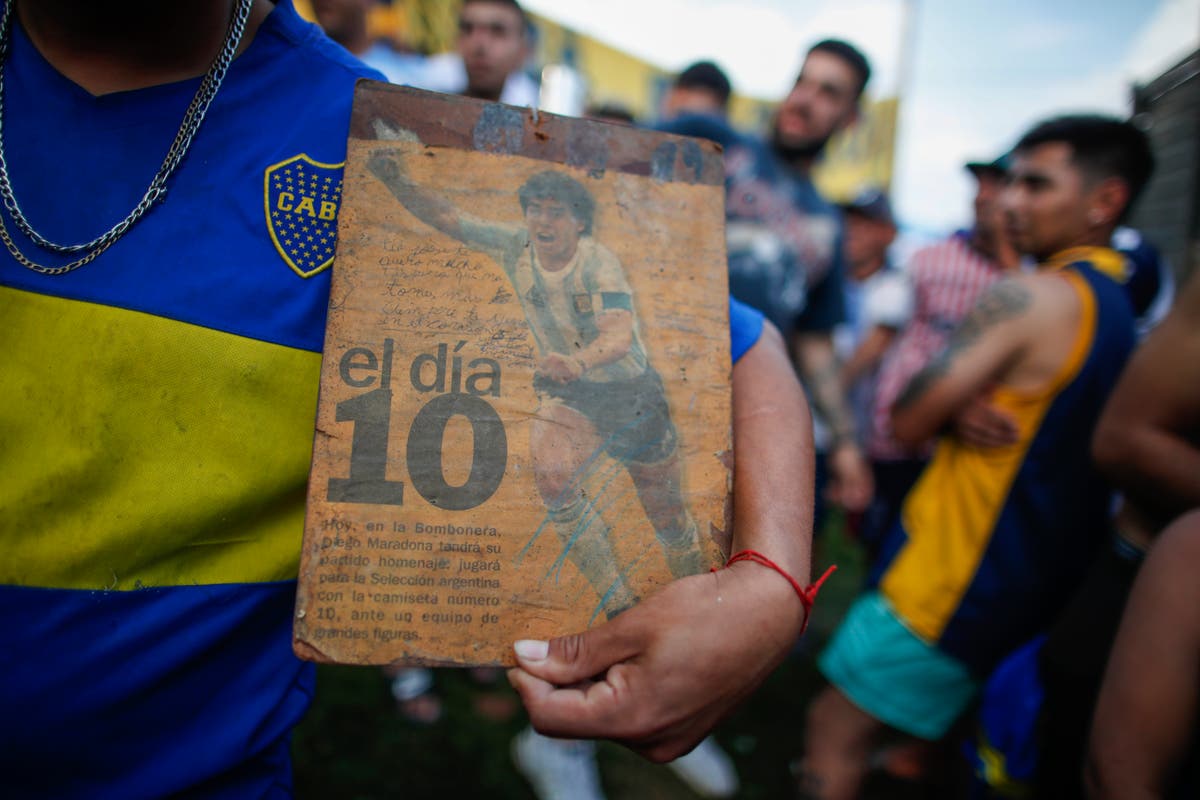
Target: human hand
[560, 368]
[981, 424]
[659, 677]
[851, 483]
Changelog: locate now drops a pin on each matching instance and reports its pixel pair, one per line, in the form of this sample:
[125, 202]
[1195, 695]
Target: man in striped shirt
[946, 278]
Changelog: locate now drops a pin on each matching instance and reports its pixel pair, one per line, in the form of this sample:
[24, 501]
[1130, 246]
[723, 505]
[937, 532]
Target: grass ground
[353, 745]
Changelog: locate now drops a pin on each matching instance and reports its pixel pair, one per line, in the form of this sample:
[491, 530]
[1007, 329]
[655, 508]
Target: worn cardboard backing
[399, 578]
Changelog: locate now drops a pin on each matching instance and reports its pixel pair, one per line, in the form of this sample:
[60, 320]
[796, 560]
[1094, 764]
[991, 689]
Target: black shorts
[631, 416]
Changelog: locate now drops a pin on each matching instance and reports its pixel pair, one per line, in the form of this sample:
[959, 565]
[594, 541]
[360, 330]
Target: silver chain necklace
[158, 186]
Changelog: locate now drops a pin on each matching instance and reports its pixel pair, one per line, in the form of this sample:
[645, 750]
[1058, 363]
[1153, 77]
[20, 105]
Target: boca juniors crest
[302, 198]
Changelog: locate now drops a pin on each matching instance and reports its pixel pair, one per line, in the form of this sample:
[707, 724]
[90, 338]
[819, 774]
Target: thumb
[579, 656]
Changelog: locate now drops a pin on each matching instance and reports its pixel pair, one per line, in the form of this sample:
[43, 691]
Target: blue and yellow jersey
[992, 542]
[157, 421]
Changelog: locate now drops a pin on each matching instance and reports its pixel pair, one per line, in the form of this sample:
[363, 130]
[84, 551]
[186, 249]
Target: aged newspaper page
[524, 416]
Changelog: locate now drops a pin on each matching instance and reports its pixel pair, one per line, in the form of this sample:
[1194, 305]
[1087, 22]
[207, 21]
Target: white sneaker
[707, 770]
[410, 683]
[557, 769]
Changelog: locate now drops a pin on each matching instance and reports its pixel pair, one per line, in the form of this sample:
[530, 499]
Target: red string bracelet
[807, 595]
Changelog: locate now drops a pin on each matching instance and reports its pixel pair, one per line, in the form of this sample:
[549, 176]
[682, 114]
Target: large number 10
[368, 482]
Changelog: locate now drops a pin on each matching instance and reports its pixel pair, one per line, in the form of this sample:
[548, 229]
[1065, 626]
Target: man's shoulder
[706, 126]
[1102, 280]
[1042, 301]
[748, 156]
[303, 56]
[594, 255]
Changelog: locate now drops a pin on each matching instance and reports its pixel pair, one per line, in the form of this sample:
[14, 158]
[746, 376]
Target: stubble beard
[797, 154]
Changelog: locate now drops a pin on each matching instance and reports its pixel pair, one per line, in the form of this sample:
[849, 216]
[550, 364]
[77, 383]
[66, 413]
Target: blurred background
[952, 82]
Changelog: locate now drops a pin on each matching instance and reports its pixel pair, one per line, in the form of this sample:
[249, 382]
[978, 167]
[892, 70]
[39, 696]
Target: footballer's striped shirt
[562, 306]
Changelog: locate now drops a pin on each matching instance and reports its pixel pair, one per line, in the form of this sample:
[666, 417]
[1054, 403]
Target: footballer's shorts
[631, 416]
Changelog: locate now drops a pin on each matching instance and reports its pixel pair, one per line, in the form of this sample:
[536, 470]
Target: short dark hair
[525, 24]
[550, 185]
[1101, 146]
[851, 55]
[707, 76]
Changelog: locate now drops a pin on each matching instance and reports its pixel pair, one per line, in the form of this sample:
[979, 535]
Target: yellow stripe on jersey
[1104, 259]
[183, 465]
[952, 511]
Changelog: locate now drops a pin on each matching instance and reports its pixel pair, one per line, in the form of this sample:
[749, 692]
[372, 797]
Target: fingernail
[532, 649]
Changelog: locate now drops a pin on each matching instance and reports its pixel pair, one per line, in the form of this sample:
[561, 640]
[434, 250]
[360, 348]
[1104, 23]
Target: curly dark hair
[550, 185]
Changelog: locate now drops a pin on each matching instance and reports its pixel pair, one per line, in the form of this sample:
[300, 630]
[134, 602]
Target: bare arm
[664, 678]
[773, 458]
[867, 355]
[989, 340]
[818, 367]
[888, 303]
[851, 481]
[1148, 438]
[981, 424]
[1146, 714]
[613, 342]
[430, 208]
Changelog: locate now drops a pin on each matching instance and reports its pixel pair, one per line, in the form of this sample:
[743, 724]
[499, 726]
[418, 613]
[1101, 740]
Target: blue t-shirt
[158, 422]
[784, 239]
[745, 327]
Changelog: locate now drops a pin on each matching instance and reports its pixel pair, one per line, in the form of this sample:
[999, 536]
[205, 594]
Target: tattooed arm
[867, 355]
[851, 482]
[818, 368]
[980, 351]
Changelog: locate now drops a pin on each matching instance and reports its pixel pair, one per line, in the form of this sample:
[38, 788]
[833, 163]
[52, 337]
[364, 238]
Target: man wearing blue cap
[879, 302]
[878, 299]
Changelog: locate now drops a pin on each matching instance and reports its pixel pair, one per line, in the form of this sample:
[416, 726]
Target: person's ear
[1107, 201]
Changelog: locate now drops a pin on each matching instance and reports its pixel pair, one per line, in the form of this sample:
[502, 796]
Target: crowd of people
[1008, 420]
